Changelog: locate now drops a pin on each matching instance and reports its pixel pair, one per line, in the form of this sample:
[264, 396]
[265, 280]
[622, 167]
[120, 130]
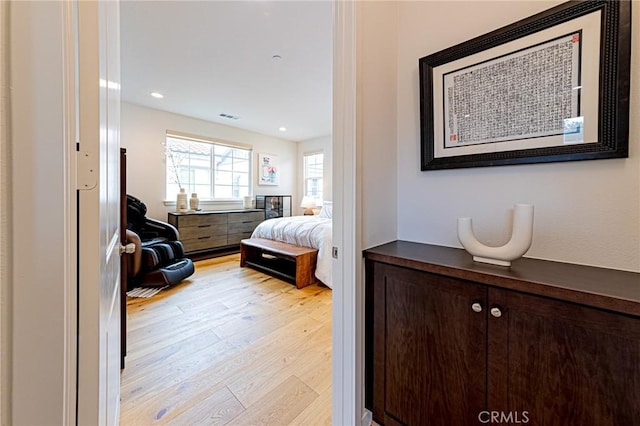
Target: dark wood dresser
[454, 342]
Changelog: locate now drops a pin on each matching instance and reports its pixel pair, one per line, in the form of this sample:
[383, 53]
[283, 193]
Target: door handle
[128, 249]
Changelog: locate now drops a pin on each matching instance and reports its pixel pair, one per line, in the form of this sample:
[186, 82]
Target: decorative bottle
[194, 202]
[181, 201]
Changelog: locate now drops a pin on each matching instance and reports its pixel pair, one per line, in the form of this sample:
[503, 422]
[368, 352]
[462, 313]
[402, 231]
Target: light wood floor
[229, 346]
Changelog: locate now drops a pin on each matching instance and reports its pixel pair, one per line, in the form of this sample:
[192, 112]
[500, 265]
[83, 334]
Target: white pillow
[327, 210]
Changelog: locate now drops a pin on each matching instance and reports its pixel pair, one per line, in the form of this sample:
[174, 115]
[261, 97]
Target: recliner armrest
[135, 258]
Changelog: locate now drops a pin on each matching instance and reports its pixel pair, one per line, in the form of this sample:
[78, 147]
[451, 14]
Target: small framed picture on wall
[268, 172]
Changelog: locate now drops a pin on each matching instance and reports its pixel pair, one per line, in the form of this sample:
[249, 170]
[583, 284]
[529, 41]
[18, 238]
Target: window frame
[319, 199]
[210, 197]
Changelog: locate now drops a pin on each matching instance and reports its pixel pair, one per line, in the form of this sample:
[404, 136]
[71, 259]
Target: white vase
[194, 202]
[517, 246]
[248, 202]
[181, 201]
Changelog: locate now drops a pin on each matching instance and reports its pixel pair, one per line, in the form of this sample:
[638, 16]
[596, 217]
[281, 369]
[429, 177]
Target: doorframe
[347, 319]
[347, 398]
[71, 138]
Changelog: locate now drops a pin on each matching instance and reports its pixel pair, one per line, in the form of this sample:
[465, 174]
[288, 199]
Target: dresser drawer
[202, 220]
[246, 217]
[236, 238]
[234, 228]
[194, 232]
[204, 243]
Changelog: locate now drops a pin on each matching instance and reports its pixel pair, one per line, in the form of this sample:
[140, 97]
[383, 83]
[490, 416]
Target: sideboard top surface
[603, 288]
[192, 212]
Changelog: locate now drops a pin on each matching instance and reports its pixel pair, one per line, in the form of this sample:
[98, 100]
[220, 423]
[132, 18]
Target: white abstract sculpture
[518, 245]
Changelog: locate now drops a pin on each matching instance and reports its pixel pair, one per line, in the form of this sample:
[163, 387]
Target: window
[313, 169]
[212, 170]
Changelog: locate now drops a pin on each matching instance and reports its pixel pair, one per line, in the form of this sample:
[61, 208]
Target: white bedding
[307, 231]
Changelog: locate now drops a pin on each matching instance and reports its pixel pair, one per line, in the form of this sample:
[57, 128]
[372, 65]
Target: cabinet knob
[496, 312]
[476, 307]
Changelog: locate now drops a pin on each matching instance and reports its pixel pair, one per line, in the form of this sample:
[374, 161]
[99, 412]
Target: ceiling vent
[229, 116]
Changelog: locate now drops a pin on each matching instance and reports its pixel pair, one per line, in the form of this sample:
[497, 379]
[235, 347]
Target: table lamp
[308, 203]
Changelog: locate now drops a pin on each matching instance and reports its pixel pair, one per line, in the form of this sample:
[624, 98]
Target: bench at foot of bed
[292, 263]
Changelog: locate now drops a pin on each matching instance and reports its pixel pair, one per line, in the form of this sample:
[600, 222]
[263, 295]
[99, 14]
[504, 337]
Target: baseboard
[367, 418]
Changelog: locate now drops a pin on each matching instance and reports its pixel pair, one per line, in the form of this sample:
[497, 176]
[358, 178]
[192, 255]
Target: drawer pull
[496, 312]
[204, 238]
[476, 307]
[204, 226]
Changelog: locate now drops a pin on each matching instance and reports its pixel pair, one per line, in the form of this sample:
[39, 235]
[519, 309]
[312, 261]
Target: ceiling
[217, 57]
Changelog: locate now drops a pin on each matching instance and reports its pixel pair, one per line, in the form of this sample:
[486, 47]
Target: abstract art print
[268, 169]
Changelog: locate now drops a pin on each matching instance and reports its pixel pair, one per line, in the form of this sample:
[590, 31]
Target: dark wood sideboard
[454, 342]
[207, 233]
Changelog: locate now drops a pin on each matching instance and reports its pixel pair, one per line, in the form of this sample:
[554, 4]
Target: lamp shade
[308, 203]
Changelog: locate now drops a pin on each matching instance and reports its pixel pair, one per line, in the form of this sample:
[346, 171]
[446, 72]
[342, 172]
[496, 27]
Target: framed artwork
[267, 169]
[552, 87]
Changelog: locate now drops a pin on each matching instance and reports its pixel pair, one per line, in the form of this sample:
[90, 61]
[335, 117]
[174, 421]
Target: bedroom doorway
[219, 266]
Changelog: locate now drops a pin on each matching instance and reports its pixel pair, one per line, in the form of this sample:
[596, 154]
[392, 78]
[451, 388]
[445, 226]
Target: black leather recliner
[159, 257]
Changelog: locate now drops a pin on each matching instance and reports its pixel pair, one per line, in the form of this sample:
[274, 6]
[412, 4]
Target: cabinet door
[564, 364]
[428, 348]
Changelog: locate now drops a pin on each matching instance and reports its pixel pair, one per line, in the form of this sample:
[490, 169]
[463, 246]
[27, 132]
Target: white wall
[39, 214]
[376, 175]
[587, 212]
[377, 50]
[324, 145]
[143, 131]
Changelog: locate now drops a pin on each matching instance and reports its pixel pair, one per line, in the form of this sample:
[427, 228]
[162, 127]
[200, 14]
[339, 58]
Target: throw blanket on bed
[307, 231]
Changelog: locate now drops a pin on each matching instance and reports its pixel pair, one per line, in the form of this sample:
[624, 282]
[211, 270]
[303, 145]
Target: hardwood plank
[281, 364]
[280, 407]
[229, 336]
[175, 328]
[169, 405]
[316, 370]
[187, 386]
[140, 383]
[218, 409]
[171, 354]
[316, 413]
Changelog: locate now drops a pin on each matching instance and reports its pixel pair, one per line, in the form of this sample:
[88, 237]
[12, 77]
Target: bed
[306, 231]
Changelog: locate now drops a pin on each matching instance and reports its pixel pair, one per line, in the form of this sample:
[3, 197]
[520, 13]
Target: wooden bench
[287, 261]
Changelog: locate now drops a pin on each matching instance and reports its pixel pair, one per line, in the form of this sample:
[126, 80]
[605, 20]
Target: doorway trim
[71, 137]
[348, 385]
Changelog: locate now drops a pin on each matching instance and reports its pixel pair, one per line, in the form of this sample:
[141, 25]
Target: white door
[98, 219]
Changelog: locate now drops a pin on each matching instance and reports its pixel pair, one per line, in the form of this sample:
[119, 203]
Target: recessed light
[157, 95]
[283, 129]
